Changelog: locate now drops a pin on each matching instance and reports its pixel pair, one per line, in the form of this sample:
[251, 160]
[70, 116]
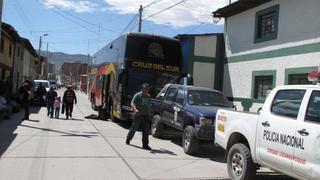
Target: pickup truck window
[313, 111]
[180, 97]
[207, 98]
[171, 94]
[287, 103]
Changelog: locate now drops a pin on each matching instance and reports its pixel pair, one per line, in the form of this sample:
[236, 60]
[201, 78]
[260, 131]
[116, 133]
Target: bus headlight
[205, 121]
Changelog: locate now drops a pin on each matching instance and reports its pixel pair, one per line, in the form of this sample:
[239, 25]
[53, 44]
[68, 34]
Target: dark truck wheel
[240, 164]
[156, 126]
[189, 141]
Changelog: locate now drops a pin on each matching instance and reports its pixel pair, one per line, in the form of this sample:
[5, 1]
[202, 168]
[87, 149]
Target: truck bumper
[204, 132]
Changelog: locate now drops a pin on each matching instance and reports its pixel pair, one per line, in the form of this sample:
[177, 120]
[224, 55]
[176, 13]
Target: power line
[176, 4]
[152, 3]
[60, 14]
[130, 22]
[83, 20]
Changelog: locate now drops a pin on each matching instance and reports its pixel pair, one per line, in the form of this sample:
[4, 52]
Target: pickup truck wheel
[240, 164]
[156, 127]
[189, 141]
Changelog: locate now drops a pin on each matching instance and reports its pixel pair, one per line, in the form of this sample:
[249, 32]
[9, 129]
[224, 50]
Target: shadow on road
[63, 133]
[7, 128]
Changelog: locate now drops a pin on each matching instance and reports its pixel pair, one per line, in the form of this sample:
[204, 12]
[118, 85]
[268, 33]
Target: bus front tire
[102, 113]
[113, 119]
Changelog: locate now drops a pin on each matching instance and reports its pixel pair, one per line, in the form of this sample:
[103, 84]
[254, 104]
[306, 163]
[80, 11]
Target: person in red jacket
[69, 98]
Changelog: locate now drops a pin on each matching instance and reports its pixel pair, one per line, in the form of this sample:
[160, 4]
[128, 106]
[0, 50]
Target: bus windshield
[156, 80]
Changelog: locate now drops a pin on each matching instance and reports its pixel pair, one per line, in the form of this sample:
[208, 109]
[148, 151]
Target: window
[262, 84]
[207, 98]
[2, 45]
[180, 97]
[18, 52]
[298, 79]
[10, 51]
[313, 110]
[171, 94]
[287, 103]
[266, 27]
[3, 74]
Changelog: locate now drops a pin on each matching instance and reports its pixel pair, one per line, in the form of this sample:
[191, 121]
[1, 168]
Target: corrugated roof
[237, 7]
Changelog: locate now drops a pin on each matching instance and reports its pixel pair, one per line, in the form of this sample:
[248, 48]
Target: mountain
[58, 58]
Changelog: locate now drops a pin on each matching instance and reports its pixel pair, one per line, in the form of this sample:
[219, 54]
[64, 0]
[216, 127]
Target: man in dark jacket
[50, 97]
[40, 92]
[69, 97]
[25, 93]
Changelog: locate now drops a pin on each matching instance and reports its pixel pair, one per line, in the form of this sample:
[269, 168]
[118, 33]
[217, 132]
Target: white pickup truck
[284, 137]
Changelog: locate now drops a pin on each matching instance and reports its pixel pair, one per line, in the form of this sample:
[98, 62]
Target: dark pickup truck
[189, 109]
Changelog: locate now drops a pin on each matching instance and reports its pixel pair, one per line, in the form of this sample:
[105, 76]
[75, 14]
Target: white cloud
[190, 12]
[77, 6]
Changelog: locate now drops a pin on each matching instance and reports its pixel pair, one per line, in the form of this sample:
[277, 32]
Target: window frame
[301, 70]
[167, 94]
[306, 111]
[184, 96]
[255, 74]
[258, 16]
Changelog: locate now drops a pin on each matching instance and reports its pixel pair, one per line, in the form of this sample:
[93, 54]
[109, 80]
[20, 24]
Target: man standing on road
[50, 98]
[69, 97]
[141, 104]
[25, 93]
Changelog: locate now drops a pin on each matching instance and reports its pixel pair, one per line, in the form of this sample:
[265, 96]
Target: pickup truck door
[167, 111]
[277, 126]
[307, 159]
[178, 109]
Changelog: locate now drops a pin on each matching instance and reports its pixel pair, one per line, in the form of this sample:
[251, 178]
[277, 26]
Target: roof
[193, 35]
[11, 31]
[237, 7]
[196, 88]
[29, 46]
[139, 34]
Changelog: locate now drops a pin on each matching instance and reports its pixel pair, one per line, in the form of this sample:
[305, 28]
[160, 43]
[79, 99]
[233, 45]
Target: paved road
[85, 149]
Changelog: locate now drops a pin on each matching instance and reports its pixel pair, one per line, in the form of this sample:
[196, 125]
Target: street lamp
[40, 44]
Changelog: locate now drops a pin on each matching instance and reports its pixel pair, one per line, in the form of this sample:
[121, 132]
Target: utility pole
[46, 75]
[140, 18]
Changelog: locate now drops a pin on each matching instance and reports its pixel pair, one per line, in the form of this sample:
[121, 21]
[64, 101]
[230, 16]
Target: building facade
[268, 43]
[29, 58]
[203, 57]
[71, 71]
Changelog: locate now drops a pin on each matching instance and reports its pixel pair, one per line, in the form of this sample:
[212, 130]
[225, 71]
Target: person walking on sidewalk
[57, 104]
[50, 98]
[25, 94]
[69, 97]
[141, 104]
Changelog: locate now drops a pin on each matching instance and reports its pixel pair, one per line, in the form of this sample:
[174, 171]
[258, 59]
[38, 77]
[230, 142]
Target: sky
[85, 26]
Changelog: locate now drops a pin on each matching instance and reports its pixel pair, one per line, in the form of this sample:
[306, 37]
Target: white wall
[205, 46]
[299, 23]
[240, 73]
[203, 74]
